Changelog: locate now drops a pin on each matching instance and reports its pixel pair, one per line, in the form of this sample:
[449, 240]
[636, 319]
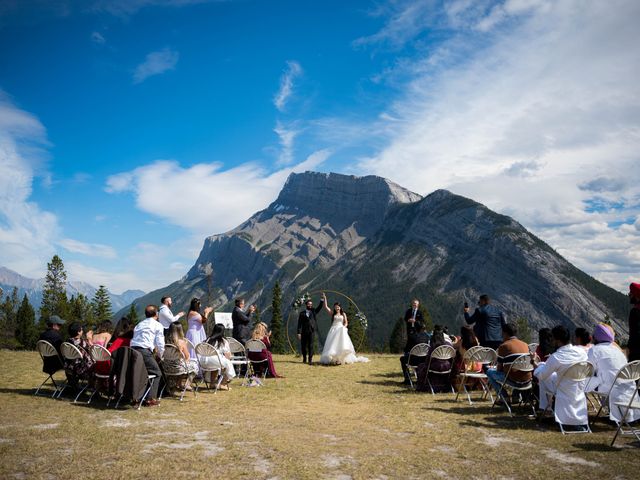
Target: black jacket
[408, 316]
[52, 364]
[241, 325]
[308, 324]
[416, 338]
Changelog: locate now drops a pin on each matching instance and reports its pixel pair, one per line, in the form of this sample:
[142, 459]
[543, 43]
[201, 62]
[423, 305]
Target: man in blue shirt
[487, 322]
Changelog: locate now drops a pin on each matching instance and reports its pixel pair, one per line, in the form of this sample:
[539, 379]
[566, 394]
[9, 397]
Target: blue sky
[130, 130]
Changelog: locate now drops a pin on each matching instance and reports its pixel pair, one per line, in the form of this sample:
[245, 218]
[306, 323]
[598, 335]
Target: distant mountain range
[383, 245]
[33, 289]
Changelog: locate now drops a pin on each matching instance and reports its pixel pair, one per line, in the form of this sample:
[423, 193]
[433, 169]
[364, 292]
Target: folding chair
[239, 357]
[522, 363]
[257, 346]
[99, 354]
[630, 373]
[46, 350]
[175, 364]
[417, 351]
[72, 353]
[208, 357]
[190, 344]
[578, 372]
[443, 352]
[603, 397]
[532, 348]
[127, 377]
[483, 355]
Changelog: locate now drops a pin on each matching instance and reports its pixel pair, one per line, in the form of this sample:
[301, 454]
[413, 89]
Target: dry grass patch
[353, 421]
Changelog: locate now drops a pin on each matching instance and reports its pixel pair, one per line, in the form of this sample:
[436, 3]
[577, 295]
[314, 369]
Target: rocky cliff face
[383, 245]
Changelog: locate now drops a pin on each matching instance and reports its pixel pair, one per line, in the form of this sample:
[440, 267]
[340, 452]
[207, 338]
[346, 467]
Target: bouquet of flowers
[301, 300]
[362, 318]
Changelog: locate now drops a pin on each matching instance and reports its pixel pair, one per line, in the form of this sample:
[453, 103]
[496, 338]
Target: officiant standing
[308, 326]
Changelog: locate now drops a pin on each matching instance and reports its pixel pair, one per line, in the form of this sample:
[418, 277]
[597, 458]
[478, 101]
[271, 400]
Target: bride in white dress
[338, 347]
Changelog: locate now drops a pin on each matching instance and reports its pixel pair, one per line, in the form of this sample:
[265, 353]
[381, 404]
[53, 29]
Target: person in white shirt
[165, 315]
[608, 358]
[148, 335]
[571, 401]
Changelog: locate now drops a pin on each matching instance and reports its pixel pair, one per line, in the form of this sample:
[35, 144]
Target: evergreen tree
[133, 314]
[26, 330]
[277, 331]
[54, 294]
[256, 316]
[524, 330]
[428, 323]
[356, 330]
[81, 310]
[398, 337]
[101, 305]
[8, 314]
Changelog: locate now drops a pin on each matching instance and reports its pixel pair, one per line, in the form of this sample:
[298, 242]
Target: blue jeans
[494, 377]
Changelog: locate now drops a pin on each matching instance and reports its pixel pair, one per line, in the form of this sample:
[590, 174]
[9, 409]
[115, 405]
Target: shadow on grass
[598, 447]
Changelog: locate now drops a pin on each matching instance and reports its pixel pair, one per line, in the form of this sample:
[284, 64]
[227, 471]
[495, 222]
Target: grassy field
[353, 421]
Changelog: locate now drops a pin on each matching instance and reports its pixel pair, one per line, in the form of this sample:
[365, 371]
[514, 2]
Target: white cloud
[291, 72]
[286, 136]
[97, 37]
[544, 106]
[89, 249]
[203, 198]
[26, 231]
[156, 63]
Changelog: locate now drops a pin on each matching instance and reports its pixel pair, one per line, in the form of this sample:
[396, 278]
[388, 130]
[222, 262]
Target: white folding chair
[603, 397]
[46, 350]
[418, 351]
[578, 372]
[239, 357]
[72, 353]
[175, 364]
[209, 361]
[476, 355]
[630, 373]
[443, 352]
[521, 363]
[257, 346]
[99, 354]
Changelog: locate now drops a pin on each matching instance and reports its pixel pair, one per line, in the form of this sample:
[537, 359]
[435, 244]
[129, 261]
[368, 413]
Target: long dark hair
[337, 304]
[545, 342]
[467, 337]
[195, 305]
[217, 335]
[124, 328]
[437, 338]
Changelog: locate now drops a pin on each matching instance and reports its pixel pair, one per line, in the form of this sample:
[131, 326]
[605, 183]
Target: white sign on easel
[224, 318]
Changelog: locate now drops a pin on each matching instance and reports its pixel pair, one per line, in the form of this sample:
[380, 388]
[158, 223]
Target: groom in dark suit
[307, 327]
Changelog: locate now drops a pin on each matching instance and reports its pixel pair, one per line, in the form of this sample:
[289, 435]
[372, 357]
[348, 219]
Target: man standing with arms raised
[165, 315]
[308, 326]
[242, 321]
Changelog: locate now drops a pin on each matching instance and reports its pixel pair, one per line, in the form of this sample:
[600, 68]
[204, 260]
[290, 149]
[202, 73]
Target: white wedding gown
[338, 347]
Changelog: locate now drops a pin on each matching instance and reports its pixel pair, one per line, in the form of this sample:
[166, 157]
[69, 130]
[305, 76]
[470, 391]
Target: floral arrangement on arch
[362, 318]
[301, 300]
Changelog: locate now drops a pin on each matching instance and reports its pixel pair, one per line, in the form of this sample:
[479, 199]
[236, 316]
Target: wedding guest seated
[52, 335]
[463, 343]
[79, 368]
[438, 382]
[175, 336]
[545, 344]
[102, 335]
[260, 333]
[417, 336]
[570, 401]
[122, 334]
[607, 358]
[221, 344]
[510, 349]
[582, 338]
[147, 336]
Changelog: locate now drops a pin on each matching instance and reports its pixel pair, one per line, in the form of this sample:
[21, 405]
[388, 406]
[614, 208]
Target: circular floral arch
[300, 301]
